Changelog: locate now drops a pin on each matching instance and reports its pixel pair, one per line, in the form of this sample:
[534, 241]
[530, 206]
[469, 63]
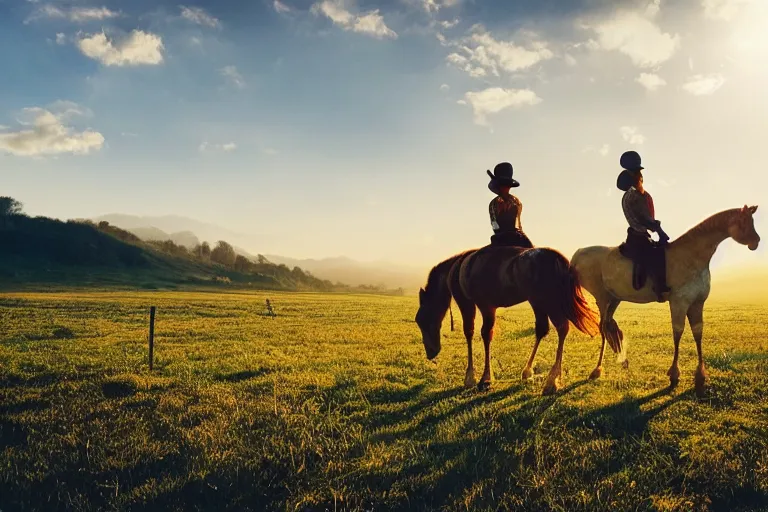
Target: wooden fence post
[151, 335]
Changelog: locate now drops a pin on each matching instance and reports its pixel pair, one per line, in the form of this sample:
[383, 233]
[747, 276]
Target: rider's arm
[636, 207]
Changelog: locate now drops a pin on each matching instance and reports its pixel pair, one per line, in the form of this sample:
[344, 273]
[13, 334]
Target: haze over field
[364, 129]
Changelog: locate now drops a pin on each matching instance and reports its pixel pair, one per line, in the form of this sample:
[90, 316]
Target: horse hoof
[700, 383]
[625, 364]
[527, 374]
[596, 373]
[469, 382]
[484, 386]
[551, 388]
[673, 383]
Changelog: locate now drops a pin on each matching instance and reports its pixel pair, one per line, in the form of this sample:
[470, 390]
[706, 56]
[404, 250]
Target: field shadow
[243, 375]
[483, 426]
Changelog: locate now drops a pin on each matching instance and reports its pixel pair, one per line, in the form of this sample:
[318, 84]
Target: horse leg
[677, 311]
[468, 319]
[489, 320]
[542, 328]
[696, 319]
[607, 309]
[554, 380]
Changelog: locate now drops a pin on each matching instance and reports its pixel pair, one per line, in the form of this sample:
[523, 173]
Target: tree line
[67, 243]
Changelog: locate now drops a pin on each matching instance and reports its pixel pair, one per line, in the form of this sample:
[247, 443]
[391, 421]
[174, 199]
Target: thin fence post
[151, 336]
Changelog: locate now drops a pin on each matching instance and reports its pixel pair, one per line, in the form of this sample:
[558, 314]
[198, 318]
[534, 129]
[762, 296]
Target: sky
[365, 128]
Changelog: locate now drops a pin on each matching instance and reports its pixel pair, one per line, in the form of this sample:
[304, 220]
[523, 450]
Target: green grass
[333, 406]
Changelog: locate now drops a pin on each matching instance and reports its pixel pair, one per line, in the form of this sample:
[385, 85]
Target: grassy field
[333, 406]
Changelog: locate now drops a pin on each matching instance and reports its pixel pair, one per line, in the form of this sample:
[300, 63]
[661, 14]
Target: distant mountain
[746, 284]
[43, 252]
[338, 269]
[346, 270]
[184, 238]
[176, 224]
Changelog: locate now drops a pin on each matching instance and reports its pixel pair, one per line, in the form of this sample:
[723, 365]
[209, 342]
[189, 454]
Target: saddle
[646, 260]
[639, 269]
[514, 238]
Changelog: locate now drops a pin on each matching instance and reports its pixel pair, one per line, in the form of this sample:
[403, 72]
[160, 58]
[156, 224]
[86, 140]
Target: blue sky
[365, 128]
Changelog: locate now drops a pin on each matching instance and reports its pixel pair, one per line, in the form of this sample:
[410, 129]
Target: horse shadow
[500, 436]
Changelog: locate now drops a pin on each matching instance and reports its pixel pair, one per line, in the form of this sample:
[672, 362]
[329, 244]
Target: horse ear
[421, 295]
[753, 209]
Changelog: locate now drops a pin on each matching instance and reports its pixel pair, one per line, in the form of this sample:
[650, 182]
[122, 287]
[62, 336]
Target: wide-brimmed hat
[502, 176]
[631, 164]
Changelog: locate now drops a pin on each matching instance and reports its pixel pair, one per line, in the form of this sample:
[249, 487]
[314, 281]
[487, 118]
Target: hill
[747, 285]
[43, 251]
[337, 269]
[356, 273]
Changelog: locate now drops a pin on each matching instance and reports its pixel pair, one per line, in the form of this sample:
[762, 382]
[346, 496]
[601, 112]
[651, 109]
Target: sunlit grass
[332, 405]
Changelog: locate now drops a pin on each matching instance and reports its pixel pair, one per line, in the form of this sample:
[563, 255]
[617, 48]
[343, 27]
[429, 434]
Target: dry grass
[332, 406]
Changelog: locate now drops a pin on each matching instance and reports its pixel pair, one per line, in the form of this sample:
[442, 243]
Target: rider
[505, 209]
[638, 208]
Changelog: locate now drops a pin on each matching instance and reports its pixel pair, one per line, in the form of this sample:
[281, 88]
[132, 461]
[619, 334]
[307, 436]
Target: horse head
[429, 318]
[742, 228]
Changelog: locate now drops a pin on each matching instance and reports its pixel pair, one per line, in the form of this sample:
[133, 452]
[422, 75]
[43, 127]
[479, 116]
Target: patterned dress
[641, 216]
[505, 212]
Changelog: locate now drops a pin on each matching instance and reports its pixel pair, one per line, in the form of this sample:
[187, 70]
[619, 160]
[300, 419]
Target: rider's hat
[631, 163]
[502, 176]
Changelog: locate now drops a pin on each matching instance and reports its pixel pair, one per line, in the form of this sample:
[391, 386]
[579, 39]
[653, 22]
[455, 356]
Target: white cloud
[651, 81]
[637, 37]
[703, 85]
[280, 7]
[43, 133]
[570, 59]
[653, 8]
[199, 16]
[449, 24]
[74, 14]
[495, 99]
[463, 63]
[602, 150]
[61, 38]
[373, 24]
[138, 48]
[631, 135]
[370, 23]
[445, 87]
[431, 6]
[723, 9]
[485, 54]
[227, 147]
[233, 75]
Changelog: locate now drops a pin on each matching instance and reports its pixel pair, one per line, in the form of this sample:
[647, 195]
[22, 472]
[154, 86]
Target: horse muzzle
[753, 245]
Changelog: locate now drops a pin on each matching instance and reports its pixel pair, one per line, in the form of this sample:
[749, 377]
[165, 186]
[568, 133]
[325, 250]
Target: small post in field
[151, 335]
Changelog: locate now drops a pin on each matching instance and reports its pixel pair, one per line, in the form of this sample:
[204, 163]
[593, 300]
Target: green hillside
[40, 252]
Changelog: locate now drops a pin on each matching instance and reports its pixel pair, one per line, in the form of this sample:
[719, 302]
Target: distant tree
[262, 260]
[242, 264]
[9, 206]
[224, 254]
[202, 251]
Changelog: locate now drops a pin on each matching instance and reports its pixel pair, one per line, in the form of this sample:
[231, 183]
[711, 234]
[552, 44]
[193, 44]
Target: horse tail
[450, 309]
[564, 294]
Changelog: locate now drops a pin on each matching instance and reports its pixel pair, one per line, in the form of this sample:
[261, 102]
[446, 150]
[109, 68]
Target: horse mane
[438, 271]
[715, 222]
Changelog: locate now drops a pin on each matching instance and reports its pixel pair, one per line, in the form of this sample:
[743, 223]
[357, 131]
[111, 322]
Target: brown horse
[607, 275]
[494, 277]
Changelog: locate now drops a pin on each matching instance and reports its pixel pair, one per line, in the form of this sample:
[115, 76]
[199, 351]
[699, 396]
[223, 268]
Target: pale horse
[607, 275]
